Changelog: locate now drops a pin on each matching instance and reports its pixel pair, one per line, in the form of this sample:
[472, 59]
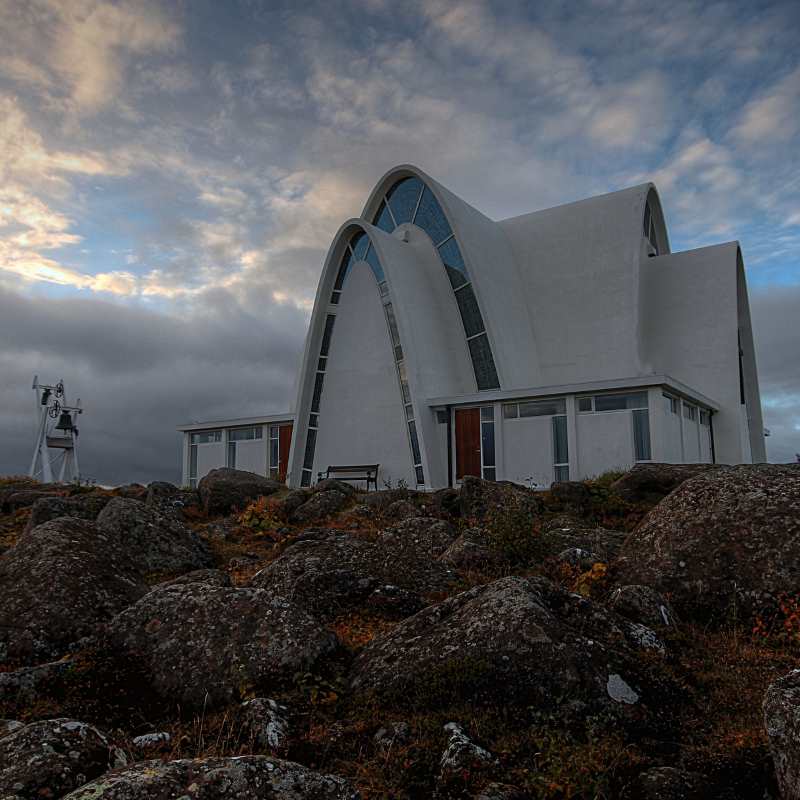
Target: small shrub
[514, 532]
[264, 515]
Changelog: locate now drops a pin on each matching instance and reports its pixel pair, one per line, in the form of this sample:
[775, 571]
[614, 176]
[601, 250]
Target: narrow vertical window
[560, 449]
[641, 434]
[488, 467]
[232, 455]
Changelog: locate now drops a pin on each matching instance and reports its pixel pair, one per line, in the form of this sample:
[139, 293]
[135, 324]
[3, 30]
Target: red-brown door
[468, 442]
[284, 443]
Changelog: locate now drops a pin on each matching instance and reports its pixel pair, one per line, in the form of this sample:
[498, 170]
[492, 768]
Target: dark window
[542, 408]
[335, 297]
[483, 363]
[232, 455]
[561, 472]
[383, 219]
[431, 218]
[403, 197]
[487, 443]
[646, 225]
[560, 443]
[420, 476]
[305, 477]
[453, 263]
[394, 333]
[510, 411]
[470, 313]
[412, 432]
[359, 243]
[311, 443]
[343, 269]
[584, 404]
[489, 473]
[317, 396]
[322, 364]
[273, 453]
[313, 420]
[619, 402]
[326, 334]
[641, 434]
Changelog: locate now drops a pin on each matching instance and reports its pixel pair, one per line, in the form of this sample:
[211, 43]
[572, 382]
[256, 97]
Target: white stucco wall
[361, 418]
[605, 441]
[251, 456]
[209, 456]
[528, 450]
[672, 451]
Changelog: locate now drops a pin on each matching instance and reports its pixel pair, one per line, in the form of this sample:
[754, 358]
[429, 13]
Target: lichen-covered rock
[9, 726]
[239, 778]
[26, 684]
[379, 501]
[501, 791]
[206, 644]
[669, 783]
[215, 577]
[403, 509]
[133, 491]
[423, 534]
[52, 757]
[571, 495]
[446, 502]
[643, 604]
[223, 490]
[652, 482]
[513, 640]
[155, 542]
[294, 500]
[60, 580]
[579, 558]
[782, 722]
[394, 602]
[478, 496]
[474, 549]
[729, 537]
[326, 485]
[267, 723]
[462, 757]
[170, 499]
[82, 506]
[319, 506]
[333, 571]
[601, 542]
[150, 741]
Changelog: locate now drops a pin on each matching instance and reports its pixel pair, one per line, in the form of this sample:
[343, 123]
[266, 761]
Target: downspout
[449, 446]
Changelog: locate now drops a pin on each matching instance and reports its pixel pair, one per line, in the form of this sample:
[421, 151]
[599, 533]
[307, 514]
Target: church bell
[64, 422]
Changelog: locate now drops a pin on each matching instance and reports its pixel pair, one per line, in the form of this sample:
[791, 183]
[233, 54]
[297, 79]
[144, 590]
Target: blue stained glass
[344, 267]
[470, 313]
[431, 218]
[383, 219]
[483, 363]
[377, 269]
[453, 263]
[359, 243]
[403, 197]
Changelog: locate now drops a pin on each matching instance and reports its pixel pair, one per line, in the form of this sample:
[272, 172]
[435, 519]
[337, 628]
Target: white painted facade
[578, 339]
[253, 444]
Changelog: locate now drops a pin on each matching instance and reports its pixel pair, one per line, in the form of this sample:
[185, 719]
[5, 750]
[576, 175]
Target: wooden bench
[352, 472]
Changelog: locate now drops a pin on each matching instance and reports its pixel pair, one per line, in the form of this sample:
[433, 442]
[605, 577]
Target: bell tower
[56, 448]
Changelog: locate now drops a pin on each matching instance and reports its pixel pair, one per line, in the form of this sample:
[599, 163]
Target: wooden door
[284, 444]
[468, 442]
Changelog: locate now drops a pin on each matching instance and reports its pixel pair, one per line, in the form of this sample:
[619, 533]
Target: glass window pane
[561, 473]
[584, 404]
[420, 476]
[232, 455]
[335, 297]
[274, 431]
[705, 418]
[510, 411]
[322, 364]
[317, 396]
[273, 453]
[617, 402]
[489, 473]
[487, 414]
[375, 264]
[326, 334]
[470, 313]
[392, 320]
[483, 363]
[383, 219]
[344, 267]
[313, 420]
[641, 434]
[543, 408]
[431, 218]
[412, 432]
[409, 411]
[487, 443]
[453, 263]
[384, 288]
[403, 198]
[560, 444]
[193, 461]
[305, 477]
[311, 443]
[359, 243]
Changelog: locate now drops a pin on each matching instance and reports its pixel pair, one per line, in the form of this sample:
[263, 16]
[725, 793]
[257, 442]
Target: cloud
[773, 115]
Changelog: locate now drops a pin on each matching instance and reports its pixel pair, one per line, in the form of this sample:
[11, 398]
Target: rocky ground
[635, 636]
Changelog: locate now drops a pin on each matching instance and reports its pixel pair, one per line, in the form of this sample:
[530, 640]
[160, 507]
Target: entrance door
[285, 442]
[468, 442]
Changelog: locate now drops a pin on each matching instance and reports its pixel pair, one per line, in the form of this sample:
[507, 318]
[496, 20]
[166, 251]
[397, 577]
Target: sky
[172, 174]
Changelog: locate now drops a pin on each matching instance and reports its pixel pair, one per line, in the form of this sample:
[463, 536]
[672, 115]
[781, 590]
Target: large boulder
[223, 490]
[53, 757]
[217, 779]
[83, 506]
[782, 722]
[513, 640]
[335, 571]
[57, 584]
[725, 543]
[202, 643]
[474, 549]
[479, 497]
[320, 506]
[670, 783]
[419, 535]
[602, 542]
[643, 604]
[654, 481]
[156, 542]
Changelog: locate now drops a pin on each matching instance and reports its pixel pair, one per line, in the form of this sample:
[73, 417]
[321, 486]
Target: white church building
[550, 346]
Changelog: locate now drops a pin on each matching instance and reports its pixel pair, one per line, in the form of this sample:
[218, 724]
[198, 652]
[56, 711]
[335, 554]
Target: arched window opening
[409, 200]
[359, 248]
[649, 227]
